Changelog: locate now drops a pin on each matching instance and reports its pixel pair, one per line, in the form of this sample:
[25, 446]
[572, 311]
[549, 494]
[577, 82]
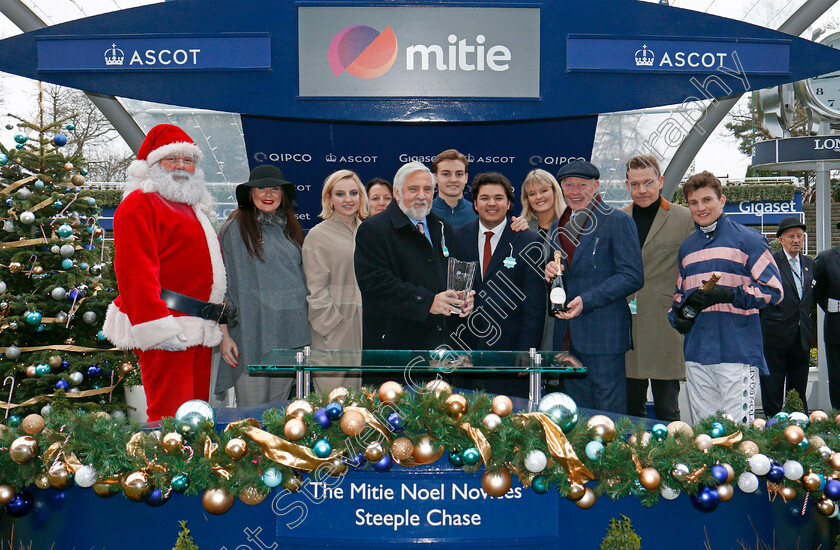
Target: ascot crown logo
[644, 57]
[362, 51]
[114, 56]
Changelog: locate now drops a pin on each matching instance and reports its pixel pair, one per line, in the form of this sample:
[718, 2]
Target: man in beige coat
[657, 356]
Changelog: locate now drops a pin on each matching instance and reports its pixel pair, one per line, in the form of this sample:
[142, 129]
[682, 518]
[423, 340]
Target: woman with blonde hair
[335, 302]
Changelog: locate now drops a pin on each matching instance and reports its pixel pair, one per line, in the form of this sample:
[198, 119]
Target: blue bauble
[357, 462]
[717, 430]
[73, 294]
[65, 364]
[781, 416]
[832, 489]
[70, 127]
[771, 421]
[776, 473]
[180, 483]
[561, 409]
[719, 473]
[272, 477]
[320, 416]
[64, 231]
[33, 318]
[42, 370]
[5, 160]
[804, 444]
[100, 335]
[322, 448]
[157, 498]
[94, 371]
[396, 422]
[59, 140]
[334, 410]
[706, 500]
[62, 385]
[57, 204]
[19, 146]
[540, 485]
[83, 171]
[21, 504]
[822, 482]
[91, 201]
[471, 456]
[456, 459]
[659, 432]
[383, 464]
[21, 138]
[594, 450]
[14, 420]
[9, 201]
[39, 184]
[66, 264]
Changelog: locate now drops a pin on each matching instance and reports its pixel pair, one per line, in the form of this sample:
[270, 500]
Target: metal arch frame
[19, 14]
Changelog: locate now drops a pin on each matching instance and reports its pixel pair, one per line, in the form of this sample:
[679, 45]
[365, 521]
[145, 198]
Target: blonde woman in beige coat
[335, 303]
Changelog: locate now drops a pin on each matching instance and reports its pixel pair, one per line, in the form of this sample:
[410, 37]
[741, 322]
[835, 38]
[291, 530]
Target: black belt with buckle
[193, 307]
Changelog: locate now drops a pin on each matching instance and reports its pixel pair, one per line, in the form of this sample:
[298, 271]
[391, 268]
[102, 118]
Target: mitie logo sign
[419, 52]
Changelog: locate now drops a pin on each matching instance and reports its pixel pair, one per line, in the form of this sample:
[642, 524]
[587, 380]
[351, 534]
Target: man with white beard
[401, 263]
[169, 271]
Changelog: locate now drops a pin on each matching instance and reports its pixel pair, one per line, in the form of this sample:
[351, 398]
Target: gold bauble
[602, 427]
[252, 496]
[649, 478]
[374, 451]
[75, 222]
[815, 442]
[77, 180]
[337, 467]
[501, 405]
[725, 492]
[32, 424]
[587, 501]
[68, 166]
[217, 501]
[352, 423]
[31, 372]
[794, 434]
[730, 472]
[759, 424]
[105, 490]
[37, 270]
[439, 386]
[42, 481]
[7, 493]
[58, 475]
[425, 450]
[101, 414]
[126, 369]
[15, 267]
[825, 506]
[496, 483]
[23, 449]
[172, 442]
[645, 439]
[54, 361]
[818, 416]
[748, 447]
[299, 408]
[491, 421]
[292, 483]
[402, 448]
[633, 440]
[679, 427]
[338, 395]
[788, 493]
[390, 392]
[703, 442]
[236, 448]
[811, 481]
[135, 486]
[834, 461]
[456, 406]
[576, 491]
[294, 429]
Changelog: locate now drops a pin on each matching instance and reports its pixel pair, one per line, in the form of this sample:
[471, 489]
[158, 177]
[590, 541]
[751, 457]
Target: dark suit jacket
[827, 275]
[399, 273]
[606, 268]
[779, 323]
[509, 302]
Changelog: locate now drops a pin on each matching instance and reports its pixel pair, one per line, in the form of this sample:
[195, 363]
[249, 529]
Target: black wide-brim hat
[265, 175]
[789, 223]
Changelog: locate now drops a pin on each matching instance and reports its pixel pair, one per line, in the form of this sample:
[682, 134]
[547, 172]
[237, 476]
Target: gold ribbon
[480, 442]
[70, 461]
[210, 449]
[64, 347]
[561, 449]
[372, 421]
[134, 447]
[634, 457]
[26, 242]
[285, 452]
[74, 395]
[41, 204]
[729, 440]
[9, 189]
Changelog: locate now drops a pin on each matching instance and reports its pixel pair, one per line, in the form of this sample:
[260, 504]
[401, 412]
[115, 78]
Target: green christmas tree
[621, 536]
[55, 282]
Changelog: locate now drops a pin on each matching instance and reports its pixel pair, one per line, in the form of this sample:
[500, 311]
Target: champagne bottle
[690, 309]
[557, 292]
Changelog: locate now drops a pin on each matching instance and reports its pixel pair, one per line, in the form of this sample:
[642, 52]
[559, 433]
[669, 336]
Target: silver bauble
[61, 317]
[561, 409]
[76, 377]
[680, 472]
[24, 193]
[13, 353]
[74, 390]
[27, 217]
[203, 409]
[67, 250]
[89, 317]
[46, 410]
[86, 476]
[2, 287]
[8, 226]
[58, 293]
[55, 249]
[13, 325]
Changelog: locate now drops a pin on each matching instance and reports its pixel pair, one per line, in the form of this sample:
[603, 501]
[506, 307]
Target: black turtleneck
[643, 216]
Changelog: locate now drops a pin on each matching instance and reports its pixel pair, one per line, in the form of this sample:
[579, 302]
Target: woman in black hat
[261, 245]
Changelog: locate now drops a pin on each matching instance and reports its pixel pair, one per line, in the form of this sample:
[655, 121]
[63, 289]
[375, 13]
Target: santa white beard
[178, 185]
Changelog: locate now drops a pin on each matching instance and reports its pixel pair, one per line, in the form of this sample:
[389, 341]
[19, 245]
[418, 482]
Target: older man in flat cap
[602, 265]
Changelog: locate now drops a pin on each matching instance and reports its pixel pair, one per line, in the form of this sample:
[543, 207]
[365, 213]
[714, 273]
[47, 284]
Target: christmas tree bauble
[4, 159]
[64, 231]
[59, 140]
[27, 217]
[58, 293]
[21, 138]
[67, 250]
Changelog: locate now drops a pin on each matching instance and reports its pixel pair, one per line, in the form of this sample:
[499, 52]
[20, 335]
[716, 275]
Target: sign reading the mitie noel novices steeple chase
[419, 52]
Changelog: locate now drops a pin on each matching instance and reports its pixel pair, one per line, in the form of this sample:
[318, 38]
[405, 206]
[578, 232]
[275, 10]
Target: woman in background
[380, 193]
[261, 245]
[335, 302]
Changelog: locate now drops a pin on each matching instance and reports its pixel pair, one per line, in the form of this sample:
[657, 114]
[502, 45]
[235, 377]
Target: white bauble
[793, 470]
[759, 464]
[667, 492]
[86, 476]
[536, 461]
[748, 482]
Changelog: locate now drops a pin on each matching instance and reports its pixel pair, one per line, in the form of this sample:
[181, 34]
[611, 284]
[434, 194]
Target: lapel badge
[510, 261]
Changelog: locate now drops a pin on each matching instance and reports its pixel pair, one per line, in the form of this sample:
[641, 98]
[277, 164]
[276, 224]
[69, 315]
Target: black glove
[718, 295]
[683, 326]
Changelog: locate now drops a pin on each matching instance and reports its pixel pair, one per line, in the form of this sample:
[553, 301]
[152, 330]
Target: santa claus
[169, 271]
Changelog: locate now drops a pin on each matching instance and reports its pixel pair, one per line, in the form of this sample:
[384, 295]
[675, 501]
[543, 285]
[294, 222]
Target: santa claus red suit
[164, 244]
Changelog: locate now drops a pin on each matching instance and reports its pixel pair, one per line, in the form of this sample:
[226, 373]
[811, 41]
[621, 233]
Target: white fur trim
[184, 147]
[217, 290]
[149, 335]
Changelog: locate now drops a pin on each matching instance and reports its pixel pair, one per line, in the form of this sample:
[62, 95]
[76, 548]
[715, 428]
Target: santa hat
[162, 141]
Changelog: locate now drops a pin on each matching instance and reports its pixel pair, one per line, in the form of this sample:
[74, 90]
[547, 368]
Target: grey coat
[269, 297]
